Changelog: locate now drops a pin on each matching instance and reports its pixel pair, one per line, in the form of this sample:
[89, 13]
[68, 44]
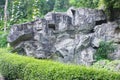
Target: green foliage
[111, 3]
[3, 39]
[15, 67]
[50, 5]
[25, 10]
[108, 65]
[109, 6]
[2, 2]
[100, 64]
[61, 5]
[104, 49]
[20, 11]
[1, 25]
[85, 3]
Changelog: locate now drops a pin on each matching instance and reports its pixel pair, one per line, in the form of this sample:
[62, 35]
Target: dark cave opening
[52, 26]
[100, 22]
[92, 31]
[73, 12]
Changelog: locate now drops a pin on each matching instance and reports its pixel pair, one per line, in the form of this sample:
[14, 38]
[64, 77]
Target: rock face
[69, 37]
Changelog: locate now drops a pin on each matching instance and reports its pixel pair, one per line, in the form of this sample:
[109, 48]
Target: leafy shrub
[84, 3]
[100, 64]
[104, 49]
[15, 67]
[63, 72]
[108, 65]
[12, 66]
[3, 39]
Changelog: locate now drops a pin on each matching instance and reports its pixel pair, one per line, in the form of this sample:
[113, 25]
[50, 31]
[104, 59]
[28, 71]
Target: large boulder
[86, 19]
[70, 37]
[59, 21]
[108, 31]
[33, 37]
[116, 54]
[19, 33]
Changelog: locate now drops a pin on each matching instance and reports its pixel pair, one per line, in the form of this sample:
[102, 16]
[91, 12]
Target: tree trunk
[5, 15]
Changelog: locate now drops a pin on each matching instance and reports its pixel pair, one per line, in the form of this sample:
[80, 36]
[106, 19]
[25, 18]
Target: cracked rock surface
[70, 37]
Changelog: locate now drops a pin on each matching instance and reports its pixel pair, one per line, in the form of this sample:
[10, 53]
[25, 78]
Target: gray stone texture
[69, 37]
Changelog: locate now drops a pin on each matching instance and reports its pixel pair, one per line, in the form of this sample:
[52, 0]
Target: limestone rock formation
[70, 37]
